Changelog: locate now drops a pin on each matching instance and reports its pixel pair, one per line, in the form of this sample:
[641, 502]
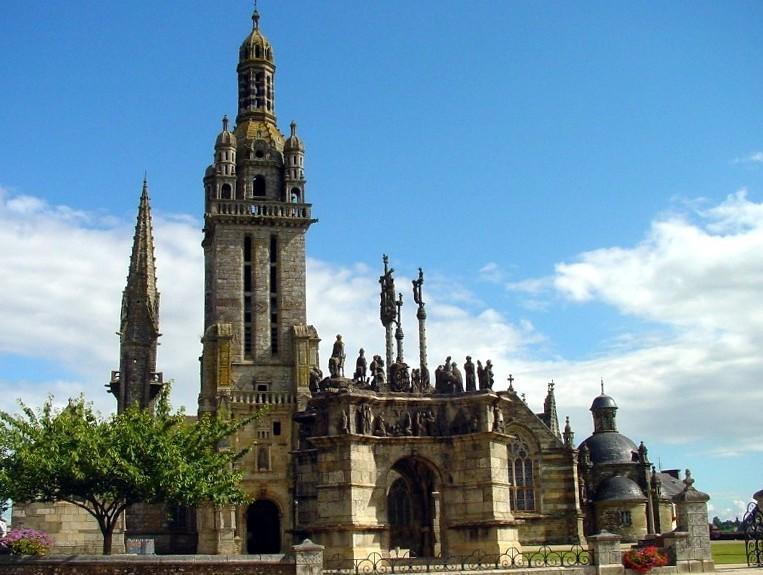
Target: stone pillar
[436, 519]
[390, 353]
[308, 558]
[421, 315]
[691, 517]
[607, 557]
[676, 544]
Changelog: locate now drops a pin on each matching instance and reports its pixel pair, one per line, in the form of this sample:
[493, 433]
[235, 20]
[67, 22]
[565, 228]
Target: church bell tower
[255, 219]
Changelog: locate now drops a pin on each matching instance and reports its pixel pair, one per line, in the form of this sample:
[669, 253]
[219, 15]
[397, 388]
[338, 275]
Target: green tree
[104, 465]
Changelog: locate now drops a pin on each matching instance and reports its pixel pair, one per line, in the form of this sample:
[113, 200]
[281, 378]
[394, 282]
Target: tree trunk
[107, 532]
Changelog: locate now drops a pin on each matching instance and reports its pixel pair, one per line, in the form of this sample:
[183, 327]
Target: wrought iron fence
[404, 562]
[752, 525]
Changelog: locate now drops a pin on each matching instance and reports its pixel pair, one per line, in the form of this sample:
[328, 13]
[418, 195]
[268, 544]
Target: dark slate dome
[603, 402]
[610, 447]
[619, 488]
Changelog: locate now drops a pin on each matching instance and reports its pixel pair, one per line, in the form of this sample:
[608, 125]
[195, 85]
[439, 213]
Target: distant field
[725, 552]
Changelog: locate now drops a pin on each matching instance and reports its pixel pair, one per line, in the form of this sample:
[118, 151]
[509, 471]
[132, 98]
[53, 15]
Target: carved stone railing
[262, 397]
[157, 377]
[258, 208]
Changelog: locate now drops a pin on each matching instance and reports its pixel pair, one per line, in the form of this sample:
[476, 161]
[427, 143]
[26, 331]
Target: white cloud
[753, 158]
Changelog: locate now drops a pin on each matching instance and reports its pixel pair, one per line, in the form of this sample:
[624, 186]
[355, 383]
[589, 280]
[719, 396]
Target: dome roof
[619, 488]
[610, 447]
[226, 137]
[603, 402]
[255, 46]
[293, 142]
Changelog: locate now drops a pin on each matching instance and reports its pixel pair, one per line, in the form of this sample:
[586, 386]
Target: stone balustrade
[262, 397]
[258, 208]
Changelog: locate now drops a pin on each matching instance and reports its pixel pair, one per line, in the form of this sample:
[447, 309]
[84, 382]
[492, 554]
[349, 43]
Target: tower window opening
[257, 51]
[274, 294]
[247, 294]
[259, 186]
[226, 192]
[296, 195]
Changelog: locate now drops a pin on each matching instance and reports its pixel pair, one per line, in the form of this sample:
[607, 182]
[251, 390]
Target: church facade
[380, 456]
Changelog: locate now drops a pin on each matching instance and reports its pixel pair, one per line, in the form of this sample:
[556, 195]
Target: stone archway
[412, 509]
[263, 527]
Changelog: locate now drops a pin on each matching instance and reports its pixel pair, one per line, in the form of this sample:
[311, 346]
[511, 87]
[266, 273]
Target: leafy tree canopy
[104, 465]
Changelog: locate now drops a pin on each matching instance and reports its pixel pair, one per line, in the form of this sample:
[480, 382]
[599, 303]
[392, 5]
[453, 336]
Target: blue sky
[581, 182]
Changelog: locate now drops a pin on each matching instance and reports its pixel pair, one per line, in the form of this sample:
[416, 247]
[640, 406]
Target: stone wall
[147, 565]
[72, 528]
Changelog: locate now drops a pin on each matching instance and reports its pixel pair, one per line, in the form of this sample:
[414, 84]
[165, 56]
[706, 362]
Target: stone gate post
[308, 558]
[607, 557]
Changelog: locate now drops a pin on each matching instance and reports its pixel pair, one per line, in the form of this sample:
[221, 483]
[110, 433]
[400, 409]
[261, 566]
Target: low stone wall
[148, 565]
[305, 559]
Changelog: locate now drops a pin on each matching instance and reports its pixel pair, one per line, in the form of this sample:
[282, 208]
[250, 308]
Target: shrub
[26, 542]
[644, 559]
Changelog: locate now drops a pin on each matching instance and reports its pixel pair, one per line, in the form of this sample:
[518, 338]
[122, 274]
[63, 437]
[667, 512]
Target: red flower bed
[644, 559]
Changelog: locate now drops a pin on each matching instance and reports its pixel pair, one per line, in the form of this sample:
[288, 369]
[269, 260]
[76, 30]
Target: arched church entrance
[263, 528]
[412, 512]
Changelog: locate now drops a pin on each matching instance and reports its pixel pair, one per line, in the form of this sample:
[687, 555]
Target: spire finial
[293, 127]
[225, 123]
[255, 17]
[145, 183]
[602, 386]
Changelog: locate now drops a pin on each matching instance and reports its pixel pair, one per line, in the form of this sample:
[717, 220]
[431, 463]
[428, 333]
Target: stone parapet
[151, 565]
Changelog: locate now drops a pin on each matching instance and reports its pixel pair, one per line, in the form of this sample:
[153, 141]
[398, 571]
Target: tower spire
[137, 380]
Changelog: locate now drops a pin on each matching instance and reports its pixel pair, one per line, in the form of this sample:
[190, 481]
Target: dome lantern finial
[255, 17]
[602, 386]
[225, 123]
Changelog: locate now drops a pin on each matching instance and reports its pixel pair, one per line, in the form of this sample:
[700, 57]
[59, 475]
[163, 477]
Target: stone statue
[425, 386]
[361, 365]
[388, 305]
[498, 424]
[399, 380]
[316, 375]
[380, 427]
[406, 425]
[439, 380]
[417, 289]
[489, 374]
[458, 379]
[336, 363]
[344, 422]
[471, 384]
[481, 376]
[642, 453]
[415, 380]
[365, 419]
[377, 373]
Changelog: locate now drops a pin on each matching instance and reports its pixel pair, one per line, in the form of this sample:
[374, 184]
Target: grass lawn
[725, 552]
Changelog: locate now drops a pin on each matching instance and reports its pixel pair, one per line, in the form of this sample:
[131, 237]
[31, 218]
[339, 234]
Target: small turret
[604, 410]
[294, 170]
[568, 435]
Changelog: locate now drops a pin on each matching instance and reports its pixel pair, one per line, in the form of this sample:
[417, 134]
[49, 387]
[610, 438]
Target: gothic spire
[137, 380]
[141, 279]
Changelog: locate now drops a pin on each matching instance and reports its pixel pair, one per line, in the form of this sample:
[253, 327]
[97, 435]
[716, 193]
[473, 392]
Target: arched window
[522, 472]
[257, 51]
[296, 195]
[225, 192]
[259, 186]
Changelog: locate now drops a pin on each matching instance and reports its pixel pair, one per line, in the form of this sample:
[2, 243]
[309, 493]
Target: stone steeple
[137, 380]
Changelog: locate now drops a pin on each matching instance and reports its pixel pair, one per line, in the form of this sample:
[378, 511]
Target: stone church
[377, 455]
